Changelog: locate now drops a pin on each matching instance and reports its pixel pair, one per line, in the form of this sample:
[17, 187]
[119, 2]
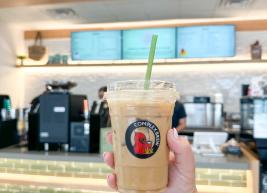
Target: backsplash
[190, 79]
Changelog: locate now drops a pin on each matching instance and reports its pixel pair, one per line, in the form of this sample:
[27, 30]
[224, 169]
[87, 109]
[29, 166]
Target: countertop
[23, 153]
[226, 162]
[227, 130]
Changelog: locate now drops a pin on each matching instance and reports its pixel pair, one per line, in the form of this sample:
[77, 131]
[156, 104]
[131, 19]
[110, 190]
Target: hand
[181, 165]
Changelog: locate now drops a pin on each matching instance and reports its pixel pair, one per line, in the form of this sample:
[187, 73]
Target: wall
[11, 81]
[190, 79]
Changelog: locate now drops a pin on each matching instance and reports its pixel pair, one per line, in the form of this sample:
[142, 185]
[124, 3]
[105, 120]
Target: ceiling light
[62, 13]
[235, 3]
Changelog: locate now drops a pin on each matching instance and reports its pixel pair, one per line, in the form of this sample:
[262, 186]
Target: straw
[150, 61]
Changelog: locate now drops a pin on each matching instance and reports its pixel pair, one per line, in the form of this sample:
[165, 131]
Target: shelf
[144, 62]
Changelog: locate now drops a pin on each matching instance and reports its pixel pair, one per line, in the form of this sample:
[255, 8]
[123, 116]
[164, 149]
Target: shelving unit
[144, 62]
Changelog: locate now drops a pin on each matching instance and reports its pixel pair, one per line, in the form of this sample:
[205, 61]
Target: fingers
[184, 157]
[176, 143]
[109, 159]
[109, 137]
[112, 181]
[109, 156]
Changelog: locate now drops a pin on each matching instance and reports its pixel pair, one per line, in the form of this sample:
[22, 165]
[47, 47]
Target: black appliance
[8, 133]
[79, 137]
[94, 139]
[33, 132]
[50, 118]
[54, 118]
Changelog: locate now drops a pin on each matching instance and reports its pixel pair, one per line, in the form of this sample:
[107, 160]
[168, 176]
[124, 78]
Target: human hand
[181, 165]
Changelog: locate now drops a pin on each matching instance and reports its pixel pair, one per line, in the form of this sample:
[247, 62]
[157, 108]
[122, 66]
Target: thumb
[184, 157]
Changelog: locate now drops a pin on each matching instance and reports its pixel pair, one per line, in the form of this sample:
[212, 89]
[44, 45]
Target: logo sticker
[142, 139]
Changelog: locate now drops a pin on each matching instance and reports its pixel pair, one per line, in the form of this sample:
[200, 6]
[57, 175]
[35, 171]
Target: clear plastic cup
[140, 120]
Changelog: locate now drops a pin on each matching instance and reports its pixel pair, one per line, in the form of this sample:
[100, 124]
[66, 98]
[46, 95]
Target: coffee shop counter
[24, 171]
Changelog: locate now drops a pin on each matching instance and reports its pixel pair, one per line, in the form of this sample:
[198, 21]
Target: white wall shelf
[144, 62]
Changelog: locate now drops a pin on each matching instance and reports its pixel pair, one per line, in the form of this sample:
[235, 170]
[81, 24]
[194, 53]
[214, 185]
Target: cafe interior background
[224, 95]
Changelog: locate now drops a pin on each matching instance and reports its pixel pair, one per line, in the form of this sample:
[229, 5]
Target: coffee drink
[140, 120]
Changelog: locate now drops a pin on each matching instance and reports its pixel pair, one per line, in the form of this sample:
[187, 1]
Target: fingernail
[104, 154]
[108, 178]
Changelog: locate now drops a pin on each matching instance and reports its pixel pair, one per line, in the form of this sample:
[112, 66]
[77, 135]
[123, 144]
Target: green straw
[150, 61]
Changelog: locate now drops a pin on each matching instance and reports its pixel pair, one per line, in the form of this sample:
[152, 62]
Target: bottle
[85, 109]
[86, 117]
[7, 107]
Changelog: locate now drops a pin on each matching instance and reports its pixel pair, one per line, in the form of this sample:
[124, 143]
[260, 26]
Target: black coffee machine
[57, 118]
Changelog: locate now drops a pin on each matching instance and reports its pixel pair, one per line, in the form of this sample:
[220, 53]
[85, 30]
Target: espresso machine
[202, 112]
[54, 117]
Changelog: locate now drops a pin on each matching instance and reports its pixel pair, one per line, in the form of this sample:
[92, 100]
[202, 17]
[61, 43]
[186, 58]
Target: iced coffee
[140, 120]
